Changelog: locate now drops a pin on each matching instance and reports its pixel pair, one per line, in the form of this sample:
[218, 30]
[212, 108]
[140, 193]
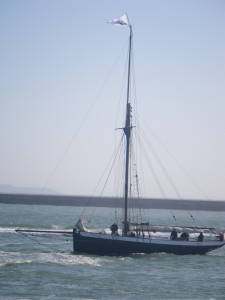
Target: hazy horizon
[9, 189]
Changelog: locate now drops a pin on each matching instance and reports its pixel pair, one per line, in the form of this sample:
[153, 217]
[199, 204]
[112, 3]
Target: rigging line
[135, 102]
[165, 172]
[160, 163]
[113, 155]
[108, 175]
[122, 96]
[179, 164]
[118, 181]
[135, 181]
[100, 179]
[135, 108]
[140, 164]
[132, 192]
[139, 206]
[122, 89]
[82, 122]
[134, 159]
[154, 174]
[42, 244]
[151, 167]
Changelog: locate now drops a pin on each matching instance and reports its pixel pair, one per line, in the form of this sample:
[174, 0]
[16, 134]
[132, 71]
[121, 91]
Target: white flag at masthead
[121, 21]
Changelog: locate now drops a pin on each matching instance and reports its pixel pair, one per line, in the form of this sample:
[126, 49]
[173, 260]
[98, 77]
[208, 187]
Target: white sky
[55, 57]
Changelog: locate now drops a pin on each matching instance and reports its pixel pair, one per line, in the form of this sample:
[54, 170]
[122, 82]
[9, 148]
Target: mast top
[122, 21]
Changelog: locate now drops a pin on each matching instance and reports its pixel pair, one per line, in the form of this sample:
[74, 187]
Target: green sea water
[44, 267]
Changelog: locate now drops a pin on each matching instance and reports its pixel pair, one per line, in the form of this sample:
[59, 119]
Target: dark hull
[109, 245]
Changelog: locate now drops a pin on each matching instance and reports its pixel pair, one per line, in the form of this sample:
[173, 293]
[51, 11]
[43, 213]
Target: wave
[67, 259]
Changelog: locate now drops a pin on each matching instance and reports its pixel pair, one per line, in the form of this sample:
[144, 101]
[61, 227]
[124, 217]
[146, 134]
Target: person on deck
[200, 237]
[173, 235]
[184, 236]
[114, 229]
[220, 237]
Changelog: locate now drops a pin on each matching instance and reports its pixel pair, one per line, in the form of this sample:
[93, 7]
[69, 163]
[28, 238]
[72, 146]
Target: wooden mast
[127, 131]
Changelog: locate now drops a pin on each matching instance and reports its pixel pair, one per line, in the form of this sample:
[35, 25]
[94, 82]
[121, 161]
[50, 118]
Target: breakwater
[148, 203]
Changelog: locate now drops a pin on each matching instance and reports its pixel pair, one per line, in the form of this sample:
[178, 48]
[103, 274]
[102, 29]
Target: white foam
[68, 259]
[7, 230]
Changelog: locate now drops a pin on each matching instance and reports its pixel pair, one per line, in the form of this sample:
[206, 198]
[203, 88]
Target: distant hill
[10, 189]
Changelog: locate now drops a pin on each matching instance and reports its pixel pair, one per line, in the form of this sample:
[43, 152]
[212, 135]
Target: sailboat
[142, 237]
